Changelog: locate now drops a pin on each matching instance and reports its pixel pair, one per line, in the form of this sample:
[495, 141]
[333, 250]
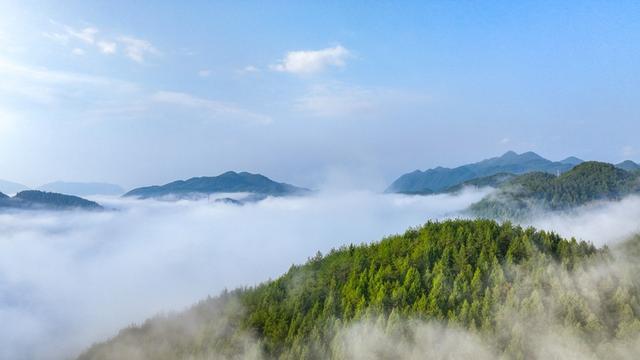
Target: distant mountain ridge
[11, 187]
[228, 182]
[628, 165]
[83, 188]
[441, 179]
[40, 200]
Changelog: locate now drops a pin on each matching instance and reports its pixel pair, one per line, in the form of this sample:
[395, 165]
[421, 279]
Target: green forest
[538, 191]
[512, 288]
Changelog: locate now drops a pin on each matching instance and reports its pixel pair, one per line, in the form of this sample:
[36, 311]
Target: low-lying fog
[69, 279]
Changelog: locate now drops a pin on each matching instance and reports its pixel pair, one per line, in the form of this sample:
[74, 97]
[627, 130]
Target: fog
[600, 223]
[71, 278]
[68, 279]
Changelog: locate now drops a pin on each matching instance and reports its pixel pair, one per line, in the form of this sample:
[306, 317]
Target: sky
[331, 93]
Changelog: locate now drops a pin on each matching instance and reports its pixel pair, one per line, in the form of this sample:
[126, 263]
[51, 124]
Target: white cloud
[56, 37]
[107, 47]
[46, 86]
[44, 75]
[77, 52]
[136, 49]
[87, 34]
[600, 223]
[106, 97]
[155, 256]
[313, 61]
[204, 73]
[213, 108]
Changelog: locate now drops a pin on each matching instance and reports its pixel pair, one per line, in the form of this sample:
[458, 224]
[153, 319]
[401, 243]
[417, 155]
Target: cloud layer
[67, 280]
[313, 61]
[134, 48]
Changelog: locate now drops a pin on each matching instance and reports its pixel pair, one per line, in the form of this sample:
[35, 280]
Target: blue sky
[314, 93]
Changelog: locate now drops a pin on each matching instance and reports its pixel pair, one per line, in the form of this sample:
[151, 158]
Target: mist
[600, 223]
[69, 279]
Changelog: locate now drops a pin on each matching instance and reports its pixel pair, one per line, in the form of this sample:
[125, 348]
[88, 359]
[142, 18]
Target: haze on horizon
[309, 93]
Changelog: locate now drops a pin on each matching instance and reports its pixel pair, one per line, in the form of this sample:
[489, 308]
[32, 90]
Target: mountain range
[40, 200]
[441, 179]
[228, 182]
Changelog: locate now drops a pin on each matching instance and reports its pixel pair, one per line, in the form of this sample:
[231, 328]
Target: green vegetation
[440, 179]
[509, 286]
[488, 181]
[40, 200]
[587, 182]
[628, 165]
[229, 182]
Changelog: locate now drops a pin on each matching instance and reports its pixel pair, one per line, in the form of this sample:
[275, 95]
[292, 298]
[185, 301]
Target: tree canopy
[490, 279]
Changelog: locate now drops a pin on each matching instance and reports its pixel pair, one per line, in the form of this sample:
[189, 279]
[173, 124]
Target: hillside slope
[509, 287]
[229, 182]
[628, 165]
[40, 200]
[587, 182]
[440, 178]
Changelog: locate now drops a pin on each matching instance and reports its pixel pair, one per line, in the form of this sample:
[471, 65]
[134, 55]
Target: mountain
[440, 178]
[628, 165]
[82, 189]
[39, 200]
[10, 187]
[488, 181]
[587, 182]
[572, 160]
[459, 289]
[229, 182]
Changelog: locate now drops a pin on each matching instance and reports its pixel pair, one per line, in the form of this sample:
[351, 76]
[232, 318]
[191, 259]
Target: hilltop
[40, 200]
[493, 280]
[439, 179]
[229, 182]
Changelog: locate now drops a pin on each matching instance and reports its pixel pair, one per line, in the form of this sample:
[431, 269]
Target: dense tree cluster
[538, 191]
[34, 199]
[499, 281]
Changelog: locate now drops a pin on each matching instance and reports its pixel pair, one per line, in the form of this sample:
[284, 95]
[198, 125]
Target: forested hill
[40, 200]
[229, 182]
[440, 179]
[509, 287]
[539, 191]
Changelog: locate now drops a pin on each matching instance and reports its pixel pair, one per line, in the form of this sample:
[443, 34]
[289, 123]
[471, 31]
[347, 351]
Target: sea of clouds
[68, 279]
